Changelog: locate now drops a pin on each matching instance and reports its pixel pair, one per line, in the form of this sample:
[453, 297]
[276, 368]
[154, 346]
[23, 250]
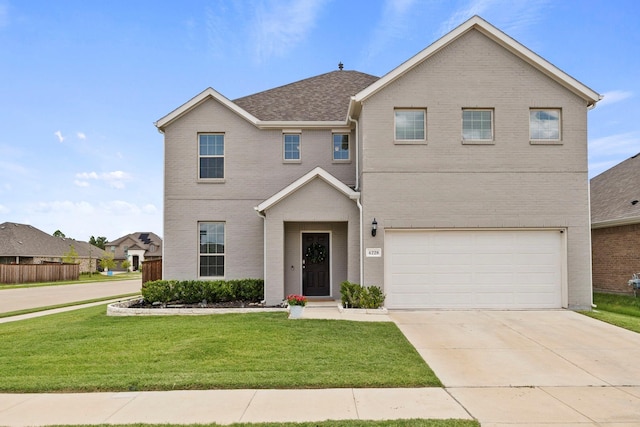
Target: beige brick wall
[509, 183]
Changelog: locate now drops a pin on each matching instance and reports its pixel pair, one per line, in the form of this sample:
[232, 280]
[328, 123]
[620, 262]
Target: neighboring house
[25, 244]
[135, 248]
[457, 180]
[615, 226]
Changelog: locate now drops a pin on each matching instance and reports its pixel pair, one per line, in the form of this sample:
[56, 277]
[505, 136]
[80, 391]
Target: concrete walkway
[520, 368]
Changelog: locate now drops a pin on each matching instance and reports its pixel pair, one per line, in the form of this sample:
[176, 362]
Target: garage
[467, 269]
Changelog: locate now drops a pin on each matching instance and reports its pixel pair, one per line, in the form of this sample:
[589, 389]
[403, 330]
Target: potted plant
[296, 305]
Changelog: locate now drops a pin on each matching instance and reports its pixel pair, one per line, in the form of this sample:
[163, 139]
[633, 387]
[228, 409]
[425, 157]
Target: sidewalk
[227, 406]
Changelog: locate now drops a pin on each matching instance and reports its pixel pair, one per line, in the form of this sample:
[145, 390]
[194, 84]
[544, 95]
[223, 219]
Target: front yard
[85, 350]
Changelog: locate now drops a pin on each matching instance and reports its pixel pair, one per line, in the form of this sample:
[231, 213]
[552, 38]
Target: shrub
[195, 291]
[357, 296]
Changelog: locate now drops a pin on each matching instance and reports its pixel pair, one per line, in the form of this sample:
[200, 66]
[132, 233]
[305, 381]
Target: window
[544, 125]
[340, 146]
[477, 124]
[212, 249]
[291, 147]
[410, 125]
[211, 154]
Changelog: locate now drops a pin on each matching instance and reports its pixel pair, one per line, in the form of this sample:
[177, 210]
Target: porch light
[374, 227]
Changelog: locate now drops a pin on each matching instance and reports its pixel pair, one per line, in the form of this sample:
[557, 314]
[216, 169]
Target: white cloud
[393, 25]
[149, 209]
[81, 183]
[59, 135]
[115, 179]
[508, 15]
[81, 135]
[4, 15]
[610, 150]
[614, 96]
[279, 26]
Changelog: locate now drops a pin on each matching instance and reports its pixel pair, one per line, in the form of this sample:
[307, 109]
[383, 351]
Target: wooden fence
[29, 273]
[151, 270]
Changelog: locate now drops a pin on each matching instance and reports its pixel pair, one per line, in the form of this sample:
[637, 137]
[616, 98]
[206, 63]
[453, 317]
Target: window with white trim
[211, 156]
[410, 125]
[341, 146]
[544, 124]
[211, 249]
[291, 146]
[477, 125]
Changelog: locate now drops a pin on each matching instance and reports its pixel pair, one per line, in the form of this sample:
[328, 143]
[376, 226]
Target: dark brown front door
[315, 264]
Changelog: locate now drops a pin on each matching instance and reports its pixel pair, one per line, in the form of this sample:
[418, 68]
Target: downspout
[264, 252]
[357, 188]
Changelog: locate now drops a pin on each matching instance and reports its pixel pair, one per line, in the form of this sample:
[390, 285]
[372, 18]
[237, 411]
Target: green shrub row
[197, 291]
[358, 296]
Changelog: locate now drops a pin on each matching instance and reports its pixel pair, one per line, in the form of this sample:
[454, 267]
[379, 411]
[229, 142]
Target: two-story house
[457, 180]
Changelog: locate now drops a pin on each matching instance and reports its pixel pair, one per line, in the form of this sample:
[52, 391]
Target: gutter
[357, 188]
[264, 251]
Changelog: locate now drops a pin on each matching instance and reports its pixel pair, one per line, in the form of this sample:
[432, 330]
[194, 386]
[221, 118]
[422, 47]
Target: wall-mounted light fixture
[374, 227]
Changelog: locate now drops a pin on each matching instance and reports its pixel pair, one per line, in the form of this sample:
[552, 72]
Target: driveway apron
[535, 367]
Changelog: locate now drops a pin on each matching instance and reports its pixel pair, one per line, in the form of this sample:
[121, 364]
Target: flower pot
[295, 311]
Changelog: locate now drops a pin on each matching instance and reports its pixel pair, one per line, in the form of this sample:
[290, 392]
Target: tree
[99, 241]
[107, 262]
[58, 233]
[70, 257]
[125, 264]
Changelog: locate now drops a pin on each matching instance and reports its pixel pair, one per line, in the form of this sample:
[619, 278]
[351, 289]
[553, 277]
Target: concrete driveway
[511, 368]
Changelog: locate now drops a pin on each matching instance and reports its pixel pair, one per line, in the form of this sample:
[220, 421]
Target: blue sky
[82, 82]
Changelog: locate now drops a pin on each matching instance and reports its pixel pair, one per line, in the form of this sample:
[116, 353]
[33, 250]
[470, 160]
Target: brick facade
[616, 256]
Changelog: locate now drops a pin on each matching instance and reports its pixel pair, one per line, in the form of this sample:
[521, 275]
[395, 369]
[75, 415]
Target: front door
[315, 264]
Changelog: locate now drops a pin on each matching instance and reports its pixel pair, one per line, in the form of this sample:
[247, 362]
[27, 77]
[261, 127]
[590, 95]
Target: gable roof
[315, 101]
[477, 23]
[613, 193]
[27, 241]
[320, 98]
[141, 240]
[301, 182]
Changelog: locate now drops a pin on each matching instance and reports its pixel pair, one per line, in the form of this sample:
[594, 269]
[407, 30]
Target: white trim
[301, 255]
[615, 222]
[477, 23]
[300, 182]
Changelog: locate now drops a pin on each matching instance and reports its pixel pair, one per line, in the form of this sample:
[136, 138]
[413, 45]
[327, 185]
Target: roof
[613, 194]
[315, 101]
[301, 182]
[477, 23]
[27, 241]
[320, 98]
[141, 239]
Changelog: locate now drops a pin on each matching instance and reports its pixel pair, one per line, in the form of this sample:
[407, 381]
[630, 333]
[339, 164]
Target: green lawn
[619, 310]
[84, 350]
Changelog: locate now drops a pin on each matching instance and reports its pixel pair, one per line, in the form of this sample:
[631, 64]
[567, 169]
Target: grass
[619, 310]
[84, 278]
[337, 423]
[84, 350]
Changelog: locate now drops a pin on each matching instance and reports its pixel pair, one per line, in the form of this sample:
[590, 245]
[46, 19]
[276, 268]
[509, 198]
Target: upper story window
[410, 125]
[211, 156]
[291, 147]
[211, 249]
[341, 146]
[544, 124]
[477, 125]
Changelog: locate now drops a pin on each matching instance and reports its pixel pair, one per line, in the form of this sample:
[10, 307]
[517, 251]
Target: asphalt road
[43, 296]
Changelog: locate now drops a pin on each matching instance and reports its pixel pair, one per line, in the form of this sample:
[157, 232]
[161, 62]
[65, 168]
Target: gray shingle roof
[27, 241]
[614, 190]
[320, 98]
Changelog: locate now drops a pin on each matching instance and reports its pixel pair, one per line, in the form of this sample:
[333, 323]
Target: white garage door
[499, 269]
